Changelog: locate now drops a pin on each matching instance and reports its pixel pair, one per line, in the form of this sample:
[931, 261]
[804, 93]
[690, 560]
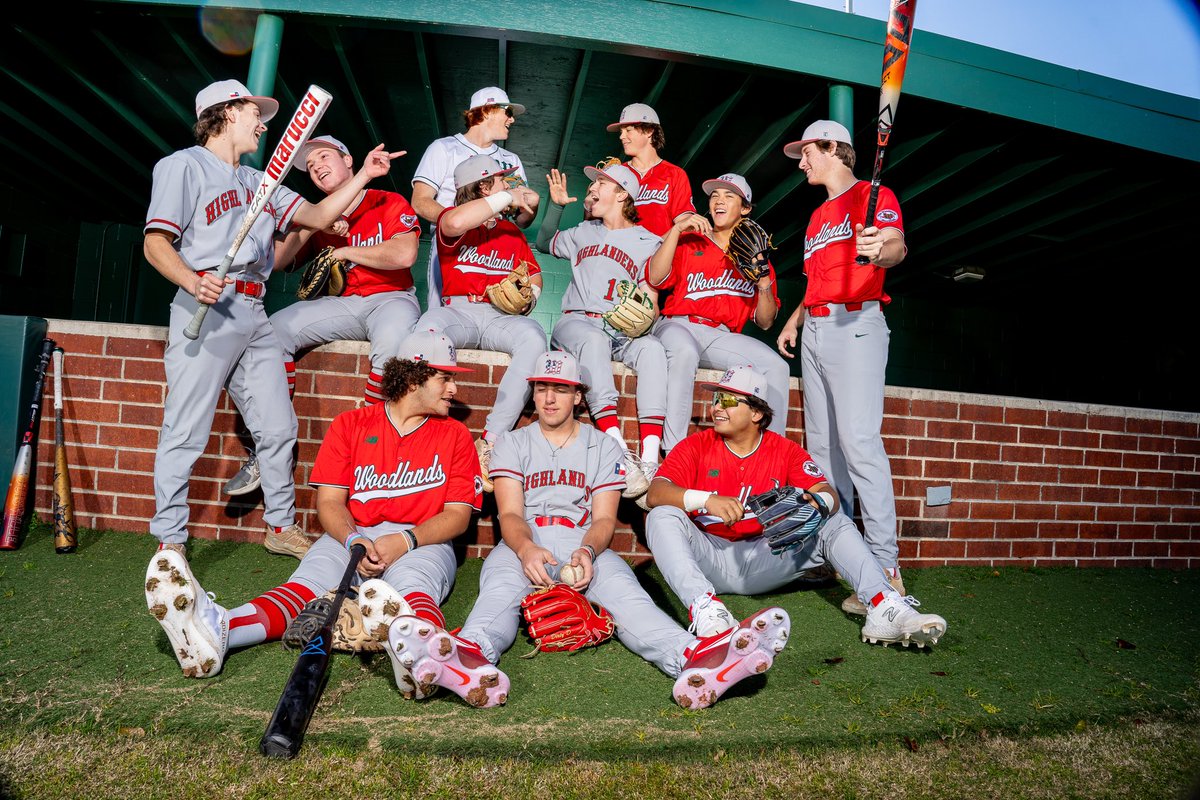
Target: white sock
[650, 447]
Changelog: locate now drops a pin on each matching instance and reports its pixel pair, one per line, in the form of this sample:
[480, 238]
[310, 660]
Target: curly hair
[761, 407]
[401, 376]
[212, 120]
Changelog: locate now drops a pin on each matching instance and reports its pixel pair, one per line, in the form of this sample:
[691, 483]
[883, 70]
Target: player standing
[478, 246]
[705, 543]
[557, 484]
[844, 351]
[604, 251]
[665, 195]
[397, 477]
[196, 208]
[488, 119]
[708, 305]
[378, 303]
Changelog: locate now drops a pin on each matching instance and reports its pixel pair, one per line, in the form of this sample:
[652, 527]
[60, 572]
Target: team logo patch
[553, 367]
[812, 470]
[887, 215]
[372, 439]
[619, 470]
[408, 220]
[698, 253]
[712, 473]
[478, 485]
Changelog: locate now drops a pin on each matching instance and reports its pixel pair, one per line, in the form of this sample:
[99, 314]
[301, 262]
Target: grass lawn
[1049, 683]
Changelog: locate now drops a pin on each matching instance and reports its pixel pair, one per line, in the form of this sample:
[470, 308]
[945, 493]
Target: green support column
[264, 62]
[841, 105]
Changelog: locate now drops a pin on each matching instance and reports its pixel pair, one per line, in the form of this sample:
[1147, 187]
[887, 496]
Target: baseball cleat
[484, 450]
[247, 479]
[649, 469]
[852, 605]
[290, 541]
[636, 483]
[197, 627]
[715, 664]
[438, 658]
[710, 616]
[894, 620]
[380, 605]
[177, 547]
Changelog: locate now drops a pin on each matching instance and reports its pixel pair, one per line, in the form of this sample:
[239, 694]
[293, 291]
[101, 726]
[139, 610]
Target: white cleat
[436, 657]
[710, 617]
[895, 621]
[197, 627]
[380, 605]
[716, 664]
[636, 483]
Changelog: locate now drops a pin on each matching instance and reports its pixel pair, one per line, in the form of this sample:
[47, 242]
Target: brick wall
[1032, 482]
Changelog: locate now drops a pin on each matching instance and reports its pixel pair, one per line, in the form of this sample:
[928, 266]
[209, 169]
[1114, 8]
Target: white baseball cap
[619, 174]
[476, 168]
[732, 181]
[495, 96]
[223, 91]
[322, 141]
[822, 129]
[555, 366]
[741, 380]
[432, 348]
[635, 114]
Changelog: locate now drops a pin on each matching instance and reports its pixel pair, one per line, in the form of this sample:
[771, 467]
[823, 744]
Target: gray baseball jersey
[601, 258]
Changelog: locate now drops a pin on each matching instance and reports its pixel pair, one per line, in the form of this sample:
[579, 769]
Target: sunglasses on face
[507, 111]
[726, 399]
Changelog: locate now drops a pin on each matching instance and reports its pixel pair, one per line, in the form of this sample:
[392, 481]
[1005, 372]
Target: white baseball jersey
[600, 258]
[443, 155]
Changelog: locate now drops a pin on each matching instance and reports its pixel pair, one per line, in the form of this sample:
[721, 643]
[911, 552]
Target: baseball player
[705, 543]
[197, 205]
[378, 303]
[488, 119]
[478, 247]
[397, 477]
[709, 303]
[604, 251]
[557, 489]
[665, 195]
[844, 351]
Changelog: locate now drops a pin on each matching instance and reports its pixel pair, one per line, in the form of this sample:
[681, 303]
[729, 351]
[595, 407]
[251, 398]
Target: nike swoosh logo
[721, 675]
[465, 677]
[860, 335]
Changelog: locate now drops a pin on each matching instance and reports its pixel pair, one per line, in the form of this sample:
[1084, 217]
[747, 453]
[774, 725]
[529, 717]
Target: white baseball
[570, 574]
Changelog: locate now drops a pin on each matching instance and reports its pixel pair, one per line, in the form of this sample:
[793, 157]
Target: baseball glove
[349, 633]
[514, 293]
[323, 275]
[634, 312]
[560, 618]
[748, 247]
[787, 517]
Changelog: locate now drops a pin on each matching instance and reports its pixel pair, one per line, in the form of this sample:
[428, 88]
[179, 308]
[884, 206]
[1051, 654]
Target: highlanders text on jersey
[600, 258]
[829, 249]
[703, 461]
[665, 196]
[379, 217]
[704, 283]
[393, 478]
[482, 256]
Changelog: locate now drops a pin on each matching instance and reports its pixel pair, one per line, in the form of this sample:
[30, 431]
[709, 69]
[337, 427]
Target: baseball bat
[316, 101]
[895, 60]
[64, 505]
[18, 486]
[285, 731]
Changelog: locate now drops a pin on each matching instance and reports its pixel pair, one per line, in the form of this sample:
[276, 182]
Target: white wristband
[827, 497]
[499, 201]
[694, 499]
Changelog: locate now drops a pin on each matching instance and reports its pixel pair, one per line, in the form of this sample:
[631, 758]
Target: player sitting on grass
[705, 541]
[399, 477]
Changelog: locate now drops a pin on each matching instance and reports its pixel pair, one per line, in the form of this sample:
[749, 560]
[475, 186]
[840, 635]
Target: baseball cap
[223, 91]
[635, 114]
[432, 348]
[732, 181]
[555, 366]
[619, 174]
[741, 380]
[494, 95]
[476, 168]
[318, 142]
[821, 129]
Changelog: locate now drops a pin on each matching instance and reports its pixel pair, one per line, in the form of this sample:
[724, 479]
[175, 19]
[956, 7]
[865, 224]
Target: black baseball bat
[18, 485]
[285, 731]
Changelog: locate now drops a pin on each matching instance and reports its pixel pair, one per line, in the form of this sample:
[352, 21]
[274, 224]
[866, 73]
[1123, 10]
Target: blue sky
[1153, 43]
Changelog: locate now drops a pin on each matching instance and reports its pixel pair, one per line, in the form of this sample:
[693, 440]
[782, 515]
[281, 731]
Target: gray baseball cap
[223, 91]
[635, 114]
[476, 168]
[822, 129]
[619, 174]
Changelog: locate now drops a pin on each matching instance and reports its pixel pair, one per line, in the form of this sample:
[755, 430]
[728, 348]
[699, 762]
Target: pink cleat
[718, 662]
[438, 658]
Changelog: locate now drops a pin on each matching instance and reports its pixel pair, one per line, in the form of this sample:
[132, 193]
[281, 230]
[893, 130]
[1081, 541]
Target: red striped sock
[374, 392]
[605, 419]
[424, 607]
[290, 368]
[266, 617]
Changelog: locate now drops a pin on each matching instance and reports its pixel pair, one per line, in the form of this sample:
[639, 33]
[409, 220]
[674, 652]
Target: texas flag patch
[619, 469]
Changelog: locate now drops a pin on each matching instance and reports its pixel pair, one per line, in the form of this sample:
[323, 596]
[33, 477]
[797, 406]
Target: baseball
[570, 574]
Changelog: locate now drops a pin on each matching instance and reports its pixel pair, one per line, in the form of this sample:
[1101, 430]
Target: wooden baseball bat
[895, 60]
[285, 731]
[314, 105]
[65, 539]
[18, 486]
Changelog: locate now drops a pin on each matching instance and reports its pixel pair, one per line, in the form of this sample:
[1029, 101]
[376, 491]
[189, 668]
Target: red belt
[712, 323]
[585, 313]
[822, 309]
[248, 288]
[470, 298]
[542, 522]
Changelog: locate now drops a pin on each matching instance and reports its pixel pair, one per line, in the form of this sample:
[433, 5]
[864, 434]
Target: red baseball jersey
[482, 256]
[829, 252]
[703, 461]
[704, 282]
[393, 478]
[379, 217]
[665, 195]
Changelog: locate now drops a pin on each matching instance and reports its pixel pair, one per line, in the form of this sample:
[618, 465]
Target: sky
[1153, 43]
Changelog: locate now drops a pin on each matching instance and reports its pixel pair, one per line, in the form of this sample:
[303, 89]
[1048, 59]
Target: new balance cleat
[852, 605]
[290, 541]
[247, 479]
[197, 628]
[636, 483]
[894, 620]
[716, 664]
[380, 605]
[710, 616]
[438, 658]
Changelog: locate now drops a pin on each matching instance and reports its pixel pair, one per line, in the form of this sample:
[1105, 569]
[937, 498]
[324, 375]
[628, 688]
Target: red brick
[1134, 461]
[1079, 475]
[337, 385]
[1180, 429]
[1116, 513]
[1187, 446]
[1161, 480]
[85, 410]
[1187, 515]
[996, 433]
[924, 529]
[1023, 492]
[130, 437]
[892, 406]
[77, 344]
[1187, 480]
[1155, 444]
[142, 507]
[93, 456]
[935, 409]
[1178, 498]
[1101, 422]
[907, 467]
[1103, 563]
[1152, 514]
[137, 369]
[1151, 549]
[1185, 549]
[976, 451]
[1032, 549]
[1144, 425]
[88, 366]
[1114, 549]
[1133, 530]
[927, 448]
[81, 389]
[339, 363]
[1023, 455]
[959, 431]
[1016, 530]
[992, 549]
[1033, 473]
[1170, 563]
[1177, 463]
[135, 461]
[1074, 549]
[1097, 530]
[1141, 497]
[997, 472]
[1118, 441]
[972, 412]
[1085, 440]
[895, 446]
[907, 508]
[1025, 416]
[1096, 494]
[1058, 530]
[1068, 511]
[1066, 419]
[1064, 456]
[903, 426]
[1042, 436]
[948, 470]
[974, 529]
[1058, 493]
[140, 415]
[1102, 458]
[931, 548]
[982, 511]
[133, 392]
[135, 348]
